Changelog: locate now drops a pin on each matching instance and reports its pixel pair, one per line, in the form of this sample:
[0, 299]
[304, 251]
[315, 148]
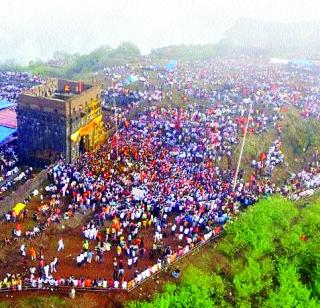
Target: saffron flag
[66, 88]
[284, 109]
[114, 141]
[80, 86]
[263, 156]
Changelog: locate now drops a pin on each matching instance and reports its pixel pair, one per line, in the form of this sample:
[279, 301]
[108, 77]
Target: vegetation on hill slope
[76, 65]
[299, 138]
[254, 38]
[185, 52]
[269, 257]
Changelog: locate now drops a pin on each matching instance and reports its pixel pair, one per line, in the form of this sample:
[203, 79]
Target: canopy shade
[86, 129]
[18, 208]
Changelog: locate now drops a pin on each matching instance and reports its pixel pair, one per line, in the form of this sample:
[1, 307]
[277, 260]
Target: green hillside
[299, 138]
[269, 257]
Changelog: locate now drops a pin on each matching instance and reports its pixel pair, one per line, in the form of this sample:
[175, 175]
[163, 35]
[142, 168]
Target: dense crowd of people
[170, 170]
[11, 174]
[8, 162]
[13, 83]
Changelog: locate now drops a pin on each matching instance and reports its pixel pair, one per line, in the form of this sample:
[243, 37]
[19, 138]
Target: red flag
[252, 178]
[263, 156]
[80, 86]
[178, 123]
[66, 88]
[303, 237]
[216, 127]
[114, 141]
[284, 109]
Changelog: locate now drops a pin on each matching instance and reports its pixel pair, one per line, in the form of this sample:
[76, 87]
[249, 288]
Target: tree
[262, 261]
[291, 292]
[192, 292]
[126, 50]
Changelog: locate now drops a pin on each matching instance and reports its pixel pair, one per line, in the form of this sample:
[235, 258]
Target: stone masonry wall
[22, 192]
[41, 136]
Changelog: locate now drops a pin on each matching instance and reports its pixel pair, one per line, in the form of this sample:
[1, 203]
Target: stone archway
[81, 145]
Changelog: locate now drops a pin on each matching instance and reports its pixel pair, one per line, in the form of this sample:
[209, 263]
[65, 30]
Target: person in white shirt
[60, 244]
[139, 278]
[106, 246]
[143, 275]
[40, 281]
[173, 229]
[80, 259]
[86, 233]
[129, 263]
[124, 285]
[46, 270]
[33, 283]
[23, 250]
[53, 265]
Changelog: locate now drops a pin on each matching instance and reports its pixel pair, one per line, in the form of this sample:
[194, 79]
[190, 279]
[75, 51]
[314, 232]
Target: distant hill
[254, 38]
[185, 52]
[300, 39]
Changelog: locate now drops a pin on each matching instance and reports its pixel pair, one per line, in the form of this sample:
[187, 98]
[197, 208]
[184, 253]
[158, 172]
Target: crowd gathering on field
[13, 83]
[169, 171]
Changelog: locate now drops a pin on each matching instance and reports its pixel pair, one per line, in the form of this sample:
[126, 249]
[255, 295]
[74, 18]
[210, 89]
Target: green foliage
[219, 290]
[44, 70]
[253, 281]
[79, 65]
[269, 257]
[65, 57]
[291, 291]
[42, 301]
[195, 290]
[126, 50]
[251, 233]
[185, 52]
[299, 138]
[103, 56]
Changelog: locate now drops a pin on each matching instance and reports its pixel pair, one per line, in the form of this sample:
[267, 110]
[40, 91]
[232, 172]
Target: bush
[42, 301]
[269, 257]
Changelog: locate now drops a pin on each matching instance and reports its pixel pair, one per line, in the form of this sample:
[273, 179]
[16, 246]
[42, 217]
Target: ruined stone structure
[61, 118]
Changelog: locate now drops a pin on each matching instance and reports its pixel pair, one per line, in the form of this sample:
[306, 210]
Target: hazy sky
[32, 29]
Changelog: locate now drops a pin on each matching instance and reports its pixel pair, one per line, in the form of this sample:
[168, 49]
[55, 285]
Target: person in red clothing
[217, 230]
[88, 283]
[111, 283]
[32, 253]
[41, 262]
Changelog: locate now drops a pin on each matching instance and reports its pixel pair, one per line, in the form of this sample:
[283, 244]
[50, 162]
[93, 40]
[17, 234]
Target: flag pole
[116, 133]
[242, 147]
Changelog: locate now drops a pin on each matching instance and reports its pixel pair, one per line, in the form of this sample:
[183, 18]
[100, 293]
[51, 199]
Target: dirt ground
[70, 231]
[118, 299]
[11, 261]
